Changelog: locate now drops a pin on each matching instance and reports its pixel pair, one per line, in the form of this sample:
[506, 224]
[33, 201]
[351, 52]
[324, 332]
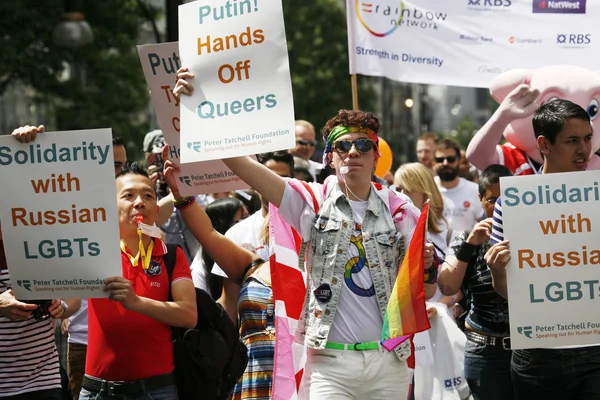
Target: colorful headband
[342, 130]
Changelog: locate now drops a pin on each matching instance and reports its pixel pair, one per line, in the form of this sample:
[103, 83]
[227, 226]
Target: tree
[317, 39]
[106, 87]
[464, 131]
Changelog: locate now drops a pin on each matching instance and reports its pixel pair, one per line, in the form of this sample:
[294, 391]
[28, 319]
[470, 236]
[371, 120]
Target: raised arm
[519, 103]
[455, 265]
[232, 258]
[266, 182]
[270, 185]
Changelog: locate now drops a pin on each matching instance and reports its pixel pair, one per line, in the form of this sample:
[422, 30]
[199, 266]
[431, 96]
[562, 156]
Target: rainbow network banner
[469, 42]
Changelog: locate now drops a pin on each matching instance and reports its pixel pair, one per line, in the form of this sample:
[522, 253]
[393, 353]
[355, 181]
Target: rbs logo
[491, 3]
[452, 383]
[573, 38]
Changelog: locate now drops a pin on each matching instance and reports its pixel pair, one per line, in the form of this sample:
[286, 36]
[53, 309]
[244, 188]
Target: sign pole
[354, 92]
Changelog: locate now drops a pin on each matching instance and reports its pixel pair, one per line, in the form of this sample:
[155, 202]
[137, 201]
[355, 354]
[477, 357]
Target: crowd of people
[121, 346]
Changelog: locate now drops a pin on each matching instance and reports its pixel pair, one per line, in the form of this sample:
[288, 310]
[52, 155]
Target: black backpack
[209, 359]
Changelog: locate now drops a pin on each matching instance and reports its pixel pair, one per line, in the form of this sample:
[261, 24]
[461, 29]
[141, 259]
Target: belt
[495, 341]
[118, 388]
[356, 346]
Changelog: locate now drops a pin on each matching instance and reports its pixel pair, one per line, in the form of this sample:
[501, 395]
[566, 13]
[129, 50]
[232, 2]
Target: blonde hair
[416, 178]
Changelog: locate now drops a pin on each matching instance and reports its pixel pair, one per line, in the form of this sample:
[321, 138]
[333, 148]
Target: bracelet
[466, 252]
[431, 273]
[184, 202]
[65, 308]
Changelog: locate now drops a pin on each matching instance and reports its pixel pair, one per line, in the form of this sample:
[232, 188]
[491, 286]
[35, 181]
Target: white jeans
[349, 374]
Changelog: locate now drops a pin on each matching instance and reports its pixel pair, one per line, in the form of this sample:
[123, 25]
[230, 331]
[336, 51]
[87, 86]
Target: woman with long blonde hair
[416, 181]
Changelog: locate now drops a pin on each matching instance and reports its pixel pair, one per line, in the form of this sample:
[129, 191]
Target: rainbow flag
[406, 312]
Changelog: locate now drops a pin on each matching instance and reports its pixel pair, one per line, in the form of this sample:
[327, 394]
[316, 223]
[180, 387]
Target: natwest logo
[489, 5]
[573, 39]
[559, 6]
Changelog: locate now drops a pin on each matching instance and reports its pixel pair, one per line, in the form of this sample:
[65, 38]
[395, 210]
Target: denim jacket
[327, 240]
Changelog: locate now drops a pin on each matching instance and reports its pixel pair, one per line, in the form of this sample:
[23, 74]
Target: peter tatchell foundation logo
[559, 6]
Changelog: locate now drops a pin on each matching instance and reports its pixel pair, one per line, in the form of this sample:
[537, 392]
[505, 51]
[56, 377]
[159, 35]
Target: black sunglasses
[311, 143]
[361, 145]
[450, 159]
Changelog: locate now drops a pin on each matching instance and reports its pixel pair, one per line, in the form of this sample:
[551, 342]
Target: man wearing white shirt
[462, 208]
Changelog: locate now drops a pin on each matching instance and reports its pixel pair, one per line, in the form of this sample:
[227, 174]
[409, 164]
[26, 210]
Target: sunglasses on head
[450, 159]
[361, 145]
[311, 143]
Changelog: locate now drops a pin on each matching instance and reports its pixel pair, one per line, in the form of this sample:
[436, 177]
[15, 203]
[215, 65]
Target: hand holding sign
[27, 133]
[498, 256]
[13, 309]
[182, 85]
[121, 290]
[170, 171]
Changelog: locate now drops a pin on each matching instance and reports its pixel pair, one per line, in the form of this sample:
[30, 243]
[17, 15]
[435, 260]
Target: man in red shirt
[130, 352]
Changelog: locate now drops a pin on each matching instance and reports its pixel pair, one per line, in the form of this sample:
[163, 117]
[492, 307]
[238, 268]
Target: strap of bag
[170, 258]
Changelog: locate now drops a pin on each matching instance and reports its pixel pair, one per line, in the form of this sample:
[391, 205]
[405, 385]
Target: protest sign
[242, 103]
[160, 63]
[59, 214]
[552, 222]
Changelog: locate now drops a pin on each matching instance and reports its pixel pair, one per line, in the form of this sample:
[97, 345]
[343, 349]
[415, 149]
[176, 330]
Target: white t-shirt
[199, 272]
[246, 234]
[78, 325]
[357, 296]
[462, 207]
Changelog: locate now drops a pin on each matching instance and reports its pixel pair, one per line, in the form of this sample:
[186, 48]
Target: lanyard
[146, 255]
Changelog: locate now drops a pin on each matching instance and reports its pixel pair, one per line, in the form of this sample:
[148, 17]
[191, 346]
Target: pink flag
[289, 289]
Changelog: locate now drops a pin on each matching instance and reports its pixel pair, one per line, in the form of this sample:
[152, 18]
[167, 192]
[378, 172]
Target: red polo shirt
[125, 345]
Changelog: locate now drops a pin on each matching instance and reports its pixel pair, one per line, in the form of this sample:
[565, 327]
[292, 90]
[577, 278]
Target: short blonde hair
[416, 178]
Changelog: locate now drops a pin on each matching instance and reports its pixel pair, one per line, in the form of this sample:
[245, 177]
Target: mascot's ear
[504, 83]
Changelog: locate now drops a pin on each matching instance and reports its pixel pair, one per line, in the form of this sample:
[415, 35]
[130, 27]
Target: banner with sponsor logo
[552, 222]
[469, 42]
[59, 214]
[160, 63]
[242, 103]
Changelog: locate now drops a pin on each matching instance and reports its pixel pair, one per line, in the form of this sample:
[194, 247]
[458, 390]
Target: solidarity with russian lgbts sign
[242, 103]
[552, 222]
[469, 42]
[160, 63]
[59, 214]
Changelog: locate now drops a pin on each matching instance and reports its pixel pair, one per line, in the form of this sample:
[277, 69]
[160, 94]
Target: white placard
[469, 42]
[59, 214]
[160, 63]
[552, 222]
[242, 103]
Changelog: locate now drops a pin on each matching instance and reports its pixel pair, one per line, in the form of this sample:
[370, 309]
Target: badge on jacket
[323, 293]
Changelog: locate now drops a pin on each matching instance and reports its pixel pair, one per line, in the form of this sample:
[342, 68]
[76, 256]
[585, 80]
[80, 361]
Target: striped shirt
[257, 315]
[28, 356]
[497, 228]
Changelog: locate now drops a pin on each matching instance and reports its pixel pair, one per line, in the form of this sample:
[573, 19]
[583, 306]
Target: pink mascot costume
[520, 92]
